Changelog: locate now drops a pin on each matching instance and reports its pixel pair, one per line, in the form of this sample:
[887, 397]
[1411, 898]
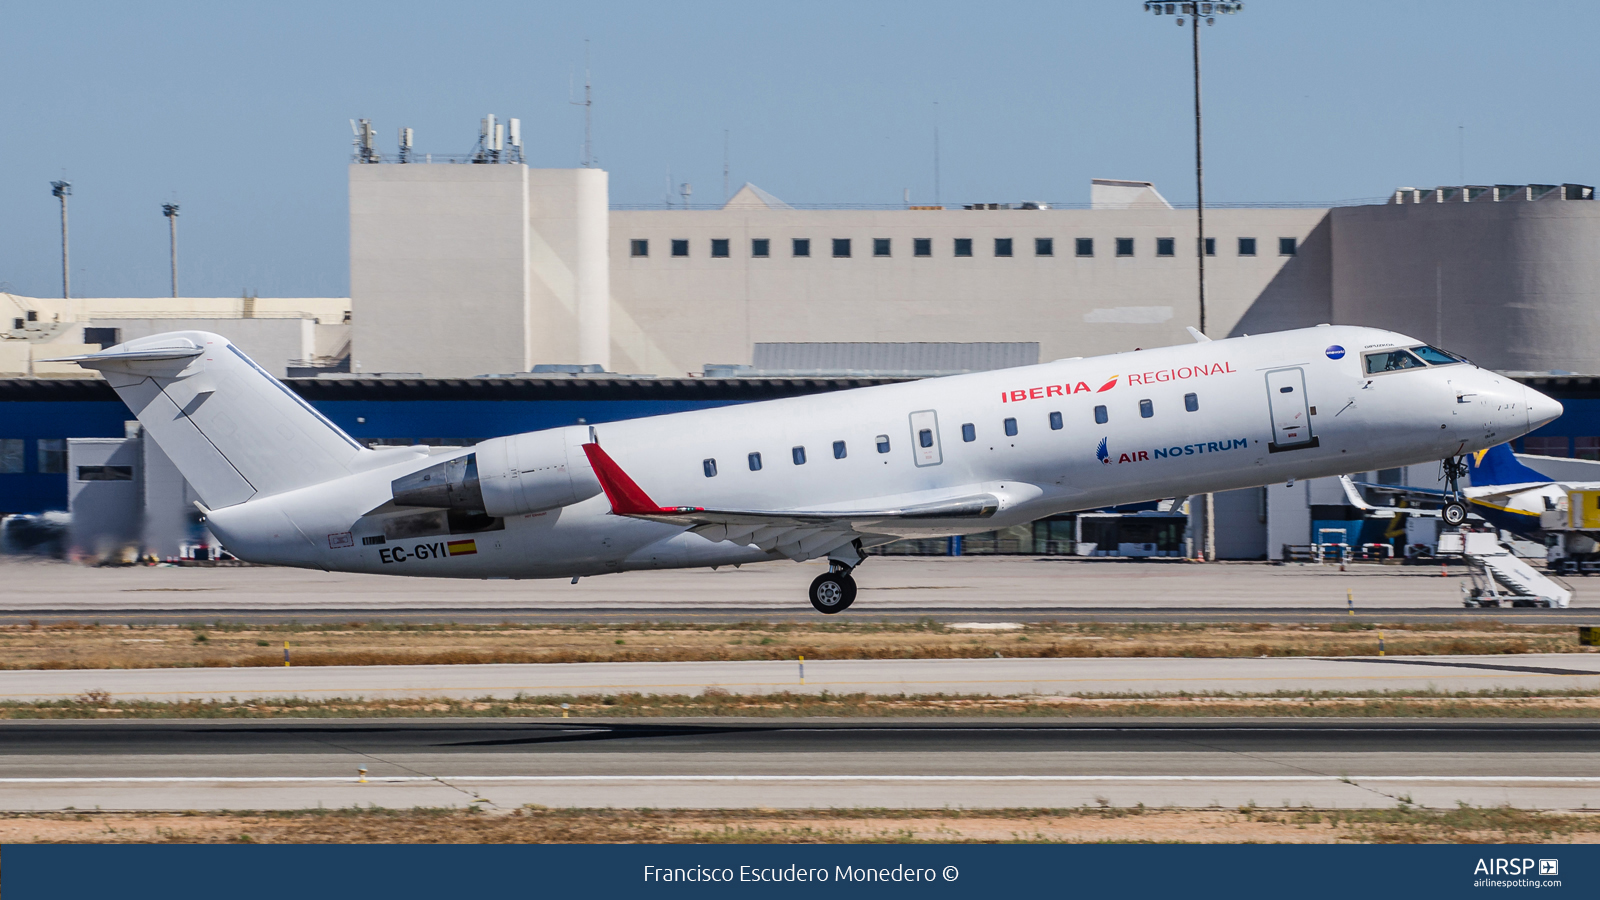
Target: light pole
[61, 190]
[170, 210]
[1195, 12]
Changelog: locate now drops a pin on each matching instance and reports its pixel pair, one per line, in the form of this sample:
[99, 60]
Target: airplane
[821, 477]
[1505, 492]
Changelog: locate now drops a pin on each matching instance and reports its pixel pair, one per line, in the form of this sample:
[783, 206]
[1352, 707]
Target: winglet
[1198, 335]
[627, 498]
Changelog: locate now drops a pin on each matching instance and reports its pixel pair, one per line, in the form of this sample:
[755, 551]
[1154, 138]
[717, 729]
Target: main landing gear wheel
[1454, 513]
[833, 592]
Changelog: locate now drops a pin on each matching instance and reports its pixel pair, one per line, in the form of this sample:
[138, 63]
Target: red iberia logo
[462, 548]
[1108, 385]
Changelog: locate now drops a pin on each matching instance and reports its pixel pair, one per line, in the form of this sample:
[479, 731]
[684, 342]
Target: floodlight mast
[1194, 12]
[61, 190]
[170, 210]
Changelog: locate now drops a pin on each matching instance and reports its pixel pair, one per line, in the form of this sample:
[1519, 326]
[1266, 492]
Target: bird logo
[1101, 454]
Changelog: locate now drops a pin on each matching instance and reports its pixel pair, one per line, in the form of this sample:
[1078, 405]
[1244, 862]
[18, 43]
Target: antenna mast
[588, 110]
[725, 194]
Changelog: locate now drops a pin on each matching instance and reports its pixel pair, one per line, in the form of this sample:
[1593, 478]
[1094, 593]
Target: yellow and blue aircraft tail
[1498, 465]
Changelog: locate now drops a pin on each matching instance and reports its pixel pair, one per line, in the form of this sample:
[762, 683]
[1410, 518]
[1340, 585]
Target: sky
[240, 112]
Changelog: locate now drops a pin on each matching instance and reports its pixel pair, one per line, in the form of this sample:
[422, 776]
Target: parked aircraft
[821, 477]
[1505, 492]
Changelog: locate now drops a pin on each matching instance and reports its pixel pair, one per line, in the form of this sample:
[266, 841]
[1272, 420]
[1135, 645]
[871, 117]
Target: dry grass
[1505, 704]
[90, 645]
[538, 825]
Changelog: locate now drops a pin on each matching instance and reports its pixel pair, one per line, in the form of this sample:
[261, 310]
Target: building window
[1586, 447]
[969, 432]
[710, 465]
[1124, 246]
[922, 246]
[11, 456]
[760, 248]
[639, 248]
[1011, 428]
[1055, 421]
[1247, 246]
[755, 462]
[925, 437]
[1287, 246]
[105, 337]
[799, 455]
[680, 247]
[841, 247]
[880, 246]
[104, 473]
[1002, 246]
[1546, 446]
[1191, 403]
[838, 450]
[53, 456]
[1044, 246]
[1211, 246]
[719, 248]
[963, 246]
[1164, 246]
[1146, 409]
[802, 246]
[1100, 415]
[883, 443]
[1085, 246]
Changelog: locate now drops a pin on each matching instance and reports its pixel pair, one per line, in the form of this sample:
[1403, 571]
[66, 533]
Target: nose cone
[1541, 409]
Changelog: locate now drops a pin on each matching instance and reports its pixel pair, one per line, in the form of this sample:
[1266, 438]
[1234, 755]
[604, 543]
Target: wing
[796, 533]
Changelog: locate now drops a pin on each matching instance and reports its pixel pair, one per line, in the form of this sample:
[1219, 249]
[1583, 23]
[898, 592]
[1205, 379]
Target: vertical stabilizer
[233, 430]
[1498, 465]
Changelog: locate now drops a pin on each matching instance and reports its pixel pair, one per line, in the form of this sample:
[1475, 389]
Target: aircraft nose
[1541, 409]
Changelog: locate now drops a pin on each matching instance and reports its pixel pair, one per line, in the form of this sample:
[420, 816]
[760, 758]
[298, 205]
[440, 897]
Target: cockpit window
[1434, 355]
[1391, 361]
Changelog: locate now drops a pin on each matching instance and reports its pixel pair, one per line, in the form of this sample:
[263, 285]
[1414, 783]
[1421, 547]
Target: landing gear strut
[834, 590]
[1455, 507]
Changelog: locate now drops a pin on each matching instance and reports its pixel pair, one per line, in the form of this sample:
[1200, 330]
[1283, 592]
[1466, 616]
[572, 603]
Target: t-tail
[1498, 465]
[233, 430]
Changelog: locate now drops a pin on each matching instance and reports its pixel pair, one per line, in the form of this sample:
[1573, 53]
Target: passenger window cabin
[710, 467]
[1146, 409]
[755, 461]
[969, 433]
[1100, 417]
[838, 450]
[1055, 421]
[1191, 402]
[883, 443]
[799, 455]
[1011, 428]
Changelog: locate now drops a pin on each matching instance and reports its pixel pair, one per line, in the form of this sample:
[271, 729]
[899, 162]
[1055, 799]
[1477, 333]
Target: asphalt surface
[796, 763]
[998, 677]
[1035, 589]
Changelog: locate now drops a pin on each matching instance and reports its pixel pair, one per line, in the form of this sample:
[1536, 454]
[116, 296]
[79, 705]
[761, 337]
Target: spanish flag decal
[462, 548]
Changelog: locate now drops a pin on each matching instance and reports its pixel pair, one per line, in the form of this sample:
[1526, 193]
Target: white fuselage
[1266, 409]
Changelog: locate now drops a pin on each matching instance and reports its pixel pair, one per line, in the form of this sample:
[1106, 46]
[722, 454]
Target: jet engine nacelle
[522, 473]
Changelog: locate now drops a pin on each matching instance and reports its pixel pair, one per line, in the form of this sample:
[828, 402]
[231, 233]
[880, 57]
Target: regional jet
[822, 477]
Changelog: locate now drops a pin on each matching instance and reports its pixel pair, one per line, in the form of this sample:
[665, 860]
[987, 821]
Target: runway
[796, 763]
[999, 677]
[1030, 589]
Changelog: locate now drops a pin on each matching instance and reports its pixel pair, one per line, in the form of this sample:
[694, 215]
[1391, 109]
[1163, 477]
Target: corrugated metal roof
[908, 358]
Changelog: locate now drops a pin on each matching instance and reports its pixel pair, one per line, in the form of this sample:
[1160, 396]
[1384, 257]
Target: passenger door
[1291, 411]
[925, 438]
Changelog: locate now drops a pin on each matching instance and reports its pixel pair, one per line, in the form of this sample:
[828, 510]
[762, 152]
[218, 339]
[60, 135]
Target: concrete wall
[673, 315]
[1513, 285]
[439, 269]
[272, 343]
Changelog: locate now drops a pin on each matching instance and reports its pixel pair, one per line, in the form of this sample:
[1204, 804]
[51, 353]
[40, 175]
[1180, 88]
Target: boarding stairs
[1503, 575]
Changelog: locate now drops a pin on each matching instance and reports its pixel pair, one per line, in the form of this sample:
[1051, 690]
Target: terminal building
[489, 297]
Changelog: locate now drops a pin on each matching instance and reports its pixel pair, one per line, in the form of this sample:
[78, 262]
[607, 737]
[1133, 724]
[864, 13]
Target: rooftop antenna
[588, 106]
[170, 210]
[669, 187]
[405, 145]
[365, 142]
[487, 151]
[936, 200]
[514, 137]
[725, 194]
[686, 189]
